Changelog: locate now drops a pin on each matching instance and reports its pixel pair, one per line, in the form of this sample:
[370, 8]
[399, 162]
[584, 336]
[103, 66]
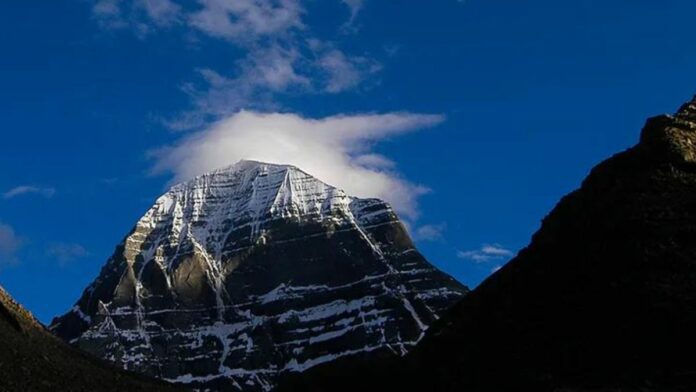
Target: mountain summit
[256, 270]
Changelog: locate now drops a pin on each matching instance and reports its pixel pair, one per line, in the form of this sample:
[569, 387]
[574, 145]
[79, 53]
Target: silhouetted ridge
[603, 298]
[33, 360]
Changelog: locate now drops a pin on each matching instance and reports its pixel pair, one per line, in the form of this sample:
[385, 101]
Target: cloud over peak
[336, 149]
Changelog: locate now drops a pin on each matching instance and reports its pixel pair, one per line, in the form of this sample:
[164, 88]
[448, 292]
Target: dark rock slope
[604, 297]
[253, 271]
[32, 359]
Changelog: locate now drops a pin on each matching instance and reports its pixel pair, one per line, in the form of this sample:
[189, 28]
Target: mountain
[603, 299]
[253, 271]
[32, 359]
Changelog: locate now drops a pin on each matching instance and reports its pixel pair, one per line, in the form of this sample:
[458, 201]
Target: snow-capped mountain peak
[253, 190]
[242, 274]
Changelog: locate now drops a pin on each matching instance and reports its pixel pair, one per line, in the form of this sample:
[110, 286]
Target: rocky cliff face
[31, 359]
[253, 271]
[603, 299]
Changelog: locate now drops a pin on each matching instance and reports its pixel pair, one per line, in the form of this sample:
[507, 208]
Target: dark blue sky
[535, 93]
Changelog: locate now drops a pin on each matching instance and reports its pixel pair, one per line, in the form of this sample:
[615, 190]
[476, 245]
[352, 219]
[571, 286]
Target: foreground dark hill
[254, 271]
[31, 359]
[604, 297]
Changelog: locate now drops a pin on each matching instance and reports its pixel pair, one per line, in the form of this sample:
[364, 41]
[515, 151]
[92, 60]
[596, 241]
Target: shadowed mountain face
[31, 359]
[253, 271]
[604, 297]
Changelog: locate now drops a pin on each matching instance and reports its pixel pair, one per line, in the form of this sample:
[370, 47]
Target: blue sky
[496, 108]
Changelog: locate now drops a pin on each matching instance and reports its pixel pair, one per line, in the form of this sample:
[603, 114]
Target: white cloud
[343, 72]
[161, 12]
[261, 74]
[430, 232]
[245, 21]
[46, 192]
[266, 72]
[9, 244]
[137, 15]
[273, 68]
[66, 252]
[486, 253]
[109, 14]
[354, 6]
[335, 149]
[107, 8]
[239, 21]
[280, 55]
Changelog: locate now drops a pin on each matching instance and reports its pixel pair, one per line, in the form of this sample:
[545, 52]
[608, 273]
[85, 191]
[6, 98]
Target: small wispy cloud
[141, 16]
[486, 253]
[9, 244]
[46, 192]
[66, 252]
[354, 6]
[246, 21]
[162, 12]
[430, 232]
[342, 72]
[279, 55]
[109, 180]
